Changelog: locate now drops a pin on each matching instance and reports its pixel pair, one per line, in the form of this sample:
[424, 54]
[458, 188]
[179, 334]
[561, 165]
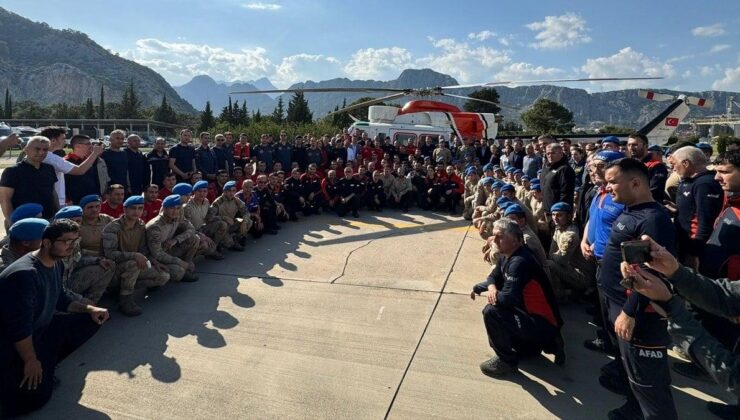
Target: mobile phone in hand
[636, 252]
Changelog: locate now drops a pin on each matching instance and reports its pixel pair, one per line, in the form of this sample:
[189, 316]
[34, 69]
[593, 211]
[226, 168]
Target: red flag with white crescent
[671, 122]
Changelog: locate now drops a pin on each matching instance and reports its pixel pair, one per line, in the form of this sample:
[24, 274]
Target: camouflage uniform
[84, 274]
[161, 229]
[7, 256]
[469, 199]
[121, 245]
[567, 265]
[235, 214]
[205, 221]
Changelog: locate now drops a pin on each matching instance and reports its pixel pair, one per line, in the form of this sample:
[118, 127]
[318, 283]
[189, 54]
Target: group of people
[94, 221]
[558, 237]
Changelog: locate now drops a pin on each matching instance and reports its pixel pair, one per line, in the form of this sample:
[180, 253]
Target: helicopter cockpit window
[404, 138]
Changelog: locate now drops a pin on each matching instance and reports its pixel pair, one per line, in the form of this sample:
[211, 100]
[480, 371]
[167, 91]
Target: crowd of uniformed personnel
[115, 220]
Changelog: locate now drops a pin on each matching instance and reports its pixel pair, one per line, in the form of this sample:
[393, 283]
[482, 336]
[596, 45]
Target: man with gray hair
[522, 315]
[698, 203]
[116, 159]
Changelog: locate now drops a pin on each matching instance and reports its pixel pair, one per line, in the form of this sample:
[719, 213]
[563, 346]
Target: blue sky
[693, 44]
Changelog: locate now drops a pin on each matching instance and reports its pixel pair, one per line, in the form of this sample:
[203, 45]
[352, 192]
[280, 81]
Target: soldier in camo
[567, 265]
[87, 271]
[124, 241]
[204, 219]
[172, 241]
[206, 245]
[471, 187]
[233, 211]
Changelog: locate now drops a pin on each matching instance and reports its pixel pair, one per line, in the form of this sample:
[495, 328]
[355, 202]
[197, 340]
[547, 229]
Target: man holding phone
[642, 337]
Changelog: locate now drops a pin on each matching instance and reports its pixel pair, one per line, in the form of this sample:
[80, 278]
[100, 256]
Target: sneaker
[189, 277]
[600, 345]
[629, 411]
[495, 367]
[615, 384]
[559, 352]
[693, 371]
[724, 411]
[128, 306]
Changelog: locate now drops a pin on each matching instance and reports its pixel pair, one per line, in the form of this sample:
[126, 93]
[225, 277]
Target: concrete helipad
[355, 318]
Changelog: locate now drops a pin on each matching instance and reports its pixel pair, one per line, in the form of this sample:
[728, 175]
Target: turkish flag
[671, 122]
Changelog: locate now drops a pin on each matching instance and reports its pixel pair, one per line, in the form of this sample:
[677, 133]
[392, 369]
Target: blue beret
[518, 172]
[30, 229]
[525, 178]
[470, 171]
[704, 146]
[655, 148]
[610, 139]
[89, 199]
[561, 207]
[488, 167]
[171, 201]
[497, 168]
[229, 185]
[498, 184]
[507, 187]
[488, 180]
[536, 187]
[535, 180]
[68, 212]
[502, 200]
[134, 200]
[25, 211]
[182, 189]
[514, 209]
[505, 205]
[608, 155]
[509, 169]
[200, 185]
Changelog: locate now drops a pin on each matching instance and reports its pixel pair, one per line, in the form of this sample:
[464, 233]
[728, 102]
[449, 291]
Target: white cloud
[709, 31]
[730, 82]
[719, 47]
[627, 63]
[378, 63]
[527, 71]
[679, 58]
[464, 62]
[262, 6]
[708, 71]
[482, 35]
[303, 67]
[557, 32]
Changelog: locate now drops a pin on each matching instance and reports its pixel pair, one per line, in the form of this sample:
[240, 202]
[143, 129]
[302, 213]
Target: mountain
[203, 88]
[47, 66]
[264, 84]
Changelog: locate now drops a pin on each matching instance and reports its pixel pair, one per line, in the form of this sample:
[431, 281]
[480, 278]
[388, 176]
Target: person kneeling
[522, 316]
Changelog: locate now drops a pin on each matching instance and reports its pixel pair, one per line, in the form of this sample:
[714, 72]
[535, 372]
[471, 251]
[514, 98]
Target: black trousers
[645, 359]
[513, 333]
[370, 200]
[64, 335]
[315, 205]
[292, 203]
[405, 202]
[269, 217]
[353, 204]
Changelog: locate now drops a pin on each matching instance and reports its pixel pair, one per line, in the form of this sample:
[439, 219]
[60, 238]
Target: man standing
[516, 158]
[42, 324]
[263, 152]
[641, 332]
[222, 155]
[29, 181]
[94, 180]
[138, 167]
[241, 151]
[159, 162]
[182, 156]
[57, 136]
[124, 242]
[91, 274]
[205, 160]
[116, 159]
[172, 241]
[522, 315]
[558, 179]
[637, 144]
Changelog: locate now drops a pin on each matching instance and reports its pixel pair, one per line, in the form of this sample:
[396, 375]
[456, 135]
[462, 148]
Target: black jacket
[558, 183]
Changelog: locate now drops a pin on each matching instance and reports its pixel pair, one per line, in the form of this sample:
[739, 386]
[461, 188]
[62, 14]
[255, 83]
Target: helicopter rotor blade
[482, 100]
[367, 103]
[529, 82]
[322, 90]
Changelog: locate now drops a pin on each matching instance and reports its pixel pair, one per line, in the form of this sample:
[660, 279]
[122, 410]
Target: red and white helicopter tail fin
[662, 127]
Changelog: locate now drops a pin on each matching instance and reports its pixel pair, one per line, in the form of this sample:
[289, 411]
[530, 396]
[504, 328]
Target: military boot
[128, 306]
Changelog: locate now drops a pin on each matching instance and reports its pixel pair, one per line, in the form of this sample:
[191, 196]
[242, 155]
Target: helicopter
[427, 118]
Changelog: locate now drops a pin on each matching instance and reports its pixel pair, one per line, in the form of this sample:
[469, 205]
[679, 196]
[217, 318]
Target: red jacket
[151, 210]
[242, 152]
[115, 213]
[460, 189]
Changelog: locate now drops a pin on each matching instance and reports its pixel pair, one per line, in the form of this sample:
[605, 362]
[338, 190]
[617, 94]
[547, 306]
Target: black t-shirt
[183, 156]
[32, 185]
[30, 294]
[117, 163]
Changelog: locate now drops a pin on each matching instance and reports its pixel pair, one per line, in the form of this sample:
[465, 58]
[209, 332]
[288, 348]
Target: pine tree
[206, 118]
[8, 104]
[130, 103]
[89, 109]
[298, 111]
[230, 117]
[165, 113]
[257, 117]
[101, 106]
[279, 112]
[244, 114]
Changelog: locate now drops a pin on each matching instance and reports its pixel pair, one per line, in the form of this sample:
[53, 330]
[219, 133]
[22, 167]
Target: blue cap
[514, 209]
[68, 212]
[655, 148]
[200, 185]
[229, 185]
[704, 146]
[507, 187]
[525, 178]
[561, 207]
[498, 184]
[502, 200]
[24, 211]
[29, 229]
[171, 201]
[89, 199]
[608, 155]
[134, 200]
[182, 189]
[536, 187]
[610, 139]
[489, 180]
[488, 167]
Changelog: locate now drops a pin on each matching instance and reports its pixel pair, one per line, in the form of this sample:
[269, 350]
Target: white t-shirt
[61, 167]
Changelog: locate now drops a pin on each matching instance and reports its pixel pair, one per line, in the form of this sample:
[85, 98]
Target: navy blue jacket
[699, 201]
